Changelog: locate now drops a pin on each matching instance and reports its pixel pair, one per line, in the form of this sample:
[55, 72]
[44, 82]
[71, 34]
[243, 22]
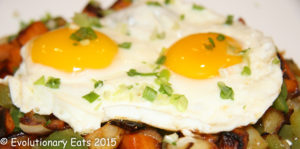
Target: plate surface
[279, 19]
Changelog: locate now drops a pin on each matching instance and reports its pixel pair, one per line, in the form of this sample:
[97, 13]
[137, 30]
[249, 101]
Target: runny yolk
[200, 56]
[57, 50]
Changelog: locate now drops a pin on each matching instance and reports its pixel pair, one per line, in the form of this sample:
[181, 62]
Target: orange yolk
[200, 56]
[57, 50]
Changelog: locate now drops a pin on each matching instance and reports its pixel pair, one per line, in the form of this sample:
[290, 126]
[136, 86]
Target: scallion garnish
[152, 3]
[83, 20]
[276, 60]
[98, 83]
[166, 89]
[246, 71]
[220, 37]
[91, 97]
[226, 91]
[198, 7]
[149, 93]
[229, 20]
[125, 45]
[179, 101]
[84, 33]
[161, 60]
[133, 72]
[53, 83]
[182, 16]
[167, 2]
[212, 42]
[40, 81]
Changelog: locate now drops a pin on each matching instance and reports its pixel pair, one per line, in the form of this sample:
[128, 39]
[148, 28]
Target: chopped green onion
[221, 37]
[40, 81]
[198, 7]
[46, 18]
[16, 114]
[83, 20]
[166, 89]
[167, 2]
[150, 3]
[180, 102]
[229, 20]
[91, 97]
[84, 33]
[53, 83]
[244, 51]
[212, 42]
[276, 60]
[133, 72]
[163, 77]
[149, 93]
[246, 71]
[161, 35]
[98, 83]
[208, 47]
[226, 92]
[125, 45]
[182, 16]
[280, 103]
[161, 60]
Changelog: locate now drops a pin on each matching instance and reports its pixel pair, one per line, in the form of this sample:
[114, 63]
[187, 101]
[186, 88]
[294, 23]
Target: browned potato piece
[112, 134]
[272, 121]
[255, 139]
[191, 143]
[236, 139]
[7, 125]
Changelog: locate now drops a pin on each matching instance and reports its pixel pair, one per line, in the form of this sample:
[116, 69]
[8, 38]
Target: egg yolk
[200, 56]
[57, 50]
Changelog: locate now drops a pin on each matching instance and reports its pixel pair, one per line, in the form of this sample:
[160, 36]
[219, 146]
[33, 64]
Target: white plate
[279, 19]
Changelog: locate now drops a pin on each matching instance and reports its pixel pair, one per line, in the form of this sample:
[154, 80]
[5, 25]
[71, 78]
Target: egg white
[121, 95]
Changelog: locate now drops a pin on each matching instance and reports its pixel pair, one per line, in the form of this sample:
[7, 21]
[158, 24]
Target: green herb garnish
[53, 83]
[40, 81]
[150, 3]
[226, 92]
[198, 7]
[166, 89]
[161, 60]
[182, 16]
[83, 20]
[229, 20]
[98, 83]
[167, 2]
[246, 71]
[163, 77]
[161, 35]
[133, 72]
[84, 33]
[91, 97]
[48, 122]
[211, 41]
[180, 102]
[125, 45]
[149, 93]
[276, 60]
[221, 37]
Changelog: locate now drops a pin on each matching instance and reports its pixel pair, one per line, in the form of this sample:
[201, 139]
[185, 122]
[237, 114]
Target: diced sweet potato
[33, 30]
[139, 141]
[289, 77]
[121, 4]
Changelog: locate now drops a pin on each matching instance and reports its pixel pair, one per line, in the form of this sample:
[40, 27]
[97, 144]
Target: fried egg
[200, 51]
